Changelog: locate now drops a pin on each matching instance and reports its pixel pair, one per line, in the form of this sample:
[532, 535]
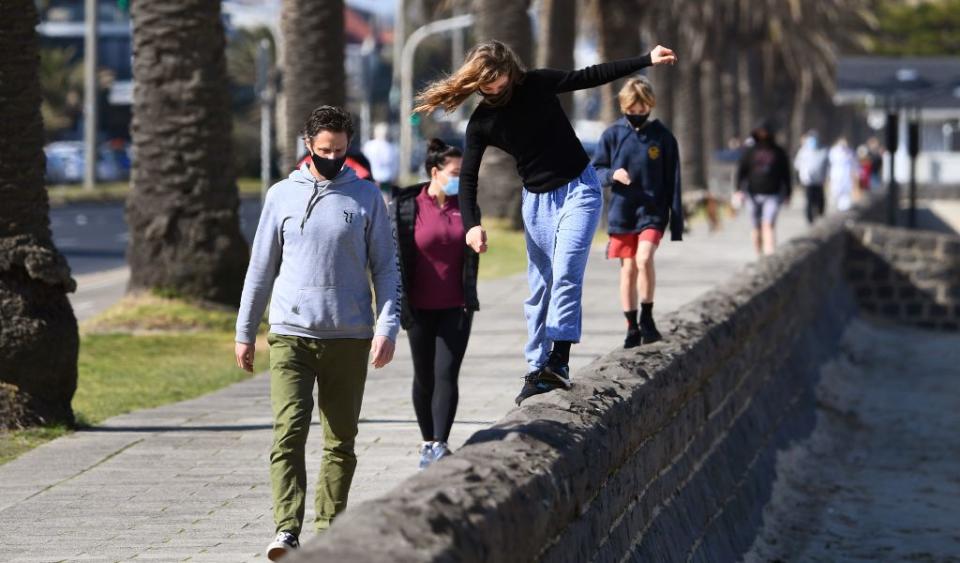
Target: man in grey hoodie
[324, 235]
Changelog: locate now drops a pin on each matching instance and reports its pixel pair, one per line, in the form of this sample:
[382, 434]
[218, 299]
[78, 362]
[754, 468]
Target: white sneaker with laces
[284, 543]
[440, 450]
[426, 455]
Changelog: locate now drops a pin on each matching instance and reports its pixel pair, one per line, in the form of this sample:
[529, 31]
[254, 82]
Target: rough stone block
[885, 292]
[913, 309]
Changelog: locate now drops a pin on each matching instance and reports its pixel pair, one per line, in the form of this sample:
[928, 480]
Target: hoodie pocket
[329, 308]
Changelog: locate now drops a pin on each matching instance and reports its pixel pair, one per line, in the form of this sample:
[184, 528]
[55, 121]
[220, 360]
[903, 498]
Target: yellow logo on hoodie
[653, 152]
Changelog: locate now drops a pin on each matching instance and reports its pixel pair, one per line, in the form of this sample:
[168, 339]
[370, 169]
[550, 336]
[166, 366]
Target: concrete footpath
[189, 481]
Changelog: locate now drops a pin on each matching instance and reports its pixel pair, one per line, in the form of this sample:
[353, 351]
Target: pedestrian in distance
[811, 166]
[384, 158]
[764, 182]
[639, 159]
[439, 274]
[843, 174]
[521, 114]
[323, 239]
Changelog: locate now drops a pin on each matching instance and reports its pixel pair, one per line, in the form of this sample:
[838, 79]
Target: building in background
[930, 85]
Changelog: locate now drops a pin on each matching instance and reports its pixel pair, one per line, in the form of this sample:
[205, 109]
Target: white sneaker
[441, 450]
[284, 543]
[426, 455]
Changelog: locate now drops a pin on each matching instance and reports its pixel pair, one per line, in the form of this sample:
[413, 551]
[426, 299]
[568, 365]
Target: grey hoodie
[317, 247]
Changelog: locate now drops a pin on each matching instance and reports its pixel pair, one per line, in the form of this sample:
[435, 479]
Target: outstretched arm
[596, 75]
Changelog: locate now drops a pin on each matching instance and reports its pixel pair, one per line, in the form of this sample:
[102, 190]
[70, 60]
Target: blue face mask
[453, 186]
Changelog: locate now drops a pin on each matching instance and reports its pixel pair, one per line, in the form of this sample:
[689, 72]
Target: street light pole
[913, 149]
[406, 78]
[893, 137]
[265, 92]
[90, 95]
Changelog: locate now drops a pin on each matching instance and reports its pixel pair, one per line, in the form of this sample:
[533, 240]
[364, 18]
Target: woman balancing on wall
[521, 114]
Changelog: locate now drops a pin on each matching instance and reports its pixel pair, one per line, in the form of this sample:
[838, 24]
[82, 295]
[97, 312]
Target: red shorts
[625, 245]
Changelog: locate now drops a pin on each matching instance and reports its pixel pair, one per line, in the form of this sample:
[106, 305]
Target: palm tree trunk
[748, 85]
[730, 112]
[712, 105]
[500, 187]
[38, 330]
[664, 32]
[689, 124]
[313, 73]
[558, 34]
[618, 27]
[182, 211]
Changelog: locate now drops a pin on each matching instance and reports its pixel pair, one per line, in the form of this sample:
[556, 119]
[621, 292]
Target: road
[94, 236]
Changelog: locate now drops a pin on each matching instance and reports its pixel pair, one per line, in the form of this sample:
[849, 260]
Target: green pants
[339, 368]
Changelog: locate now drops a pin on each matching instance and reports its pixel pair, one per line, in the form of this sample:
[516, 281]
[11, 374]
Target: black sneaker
[534, 384]
[648, 332]
[556, 371]
[632, 340]
[281, 545]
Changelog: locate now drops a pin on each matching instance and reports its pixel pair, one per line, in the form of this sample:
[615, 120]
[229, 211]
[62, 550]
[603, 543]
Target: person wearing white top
[811, 166]
[383, 155]
[843, 173]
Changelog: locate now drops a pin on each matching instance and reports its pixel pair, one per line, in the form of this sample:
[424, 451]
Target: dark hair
[437, 154]
[328, 118]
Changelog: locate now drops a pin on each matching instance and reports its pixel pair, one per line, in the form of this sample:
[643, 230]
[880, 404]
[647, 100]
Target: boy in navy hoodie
[640, 161]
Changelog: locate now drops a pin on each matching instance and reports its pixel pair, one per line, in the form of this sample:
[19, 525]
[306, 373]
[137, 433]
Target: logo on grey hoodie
[348, 216]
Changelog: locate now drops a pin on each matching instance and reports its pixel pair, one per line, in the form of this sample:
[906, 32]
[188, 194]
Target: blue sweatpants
[559, 231]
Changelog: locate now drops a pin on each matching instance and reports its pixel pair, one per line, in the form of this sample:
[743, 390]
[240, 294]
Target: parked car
[65, 162]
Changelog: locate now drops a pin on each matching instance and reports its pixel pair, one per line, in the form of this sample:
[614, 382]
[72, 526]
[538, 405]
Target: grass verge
[144, 352]
[506, 252]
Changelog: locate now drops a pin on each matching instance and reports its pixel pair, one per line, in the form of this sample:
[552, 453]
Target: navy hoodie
[652, 158]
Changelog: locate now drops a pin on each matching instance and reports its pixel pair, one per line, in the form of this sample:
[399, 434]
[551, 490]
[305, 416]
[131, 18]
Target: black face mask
[637, 120]
[328, 167]
[497, 100]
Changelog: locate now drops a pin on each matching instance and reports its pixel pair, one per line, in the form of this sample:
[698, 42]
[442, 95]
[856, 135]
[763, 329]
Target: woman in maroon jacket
[439, 273]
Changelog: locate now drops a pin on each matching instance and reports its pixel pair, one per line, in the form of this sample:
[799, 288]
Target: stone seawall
[907, 276]
[663, 453]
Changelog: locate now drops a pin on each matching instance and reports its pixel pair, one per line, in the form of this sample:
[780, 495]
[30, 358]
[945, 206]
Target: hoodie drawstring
[314, 200]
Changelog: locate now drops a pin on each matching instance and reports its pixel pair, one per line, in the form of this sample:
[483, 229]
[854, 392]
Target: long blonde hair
[485, 63]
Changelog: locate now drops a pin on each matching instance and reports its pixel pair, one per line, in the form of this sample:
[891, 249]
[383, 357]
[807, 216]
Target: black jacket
[403, 213]
[764, 169]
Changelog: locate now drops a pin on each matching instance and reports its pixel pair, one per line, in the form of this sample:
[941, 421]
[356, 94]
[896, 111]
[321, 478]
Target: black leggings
[814, 202]
[438, 341]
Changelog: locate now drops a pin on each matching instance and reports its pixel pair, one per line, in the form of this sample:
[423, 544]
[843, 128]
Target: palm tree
[558, 34]
[499, 187]
[312, 61]
[618, 31]
[185, 237]
[690, 17]
[38, 333]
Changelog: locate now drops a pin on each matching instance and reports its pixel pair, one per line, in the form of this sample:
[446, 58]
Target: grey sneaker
[427, 455]
[284, 543]
[441, 450]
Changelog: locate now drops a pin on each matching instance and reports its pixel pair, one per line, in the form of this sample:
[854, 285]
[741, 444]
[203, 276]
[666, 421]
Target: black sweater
[764, 169]
[534, 130]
